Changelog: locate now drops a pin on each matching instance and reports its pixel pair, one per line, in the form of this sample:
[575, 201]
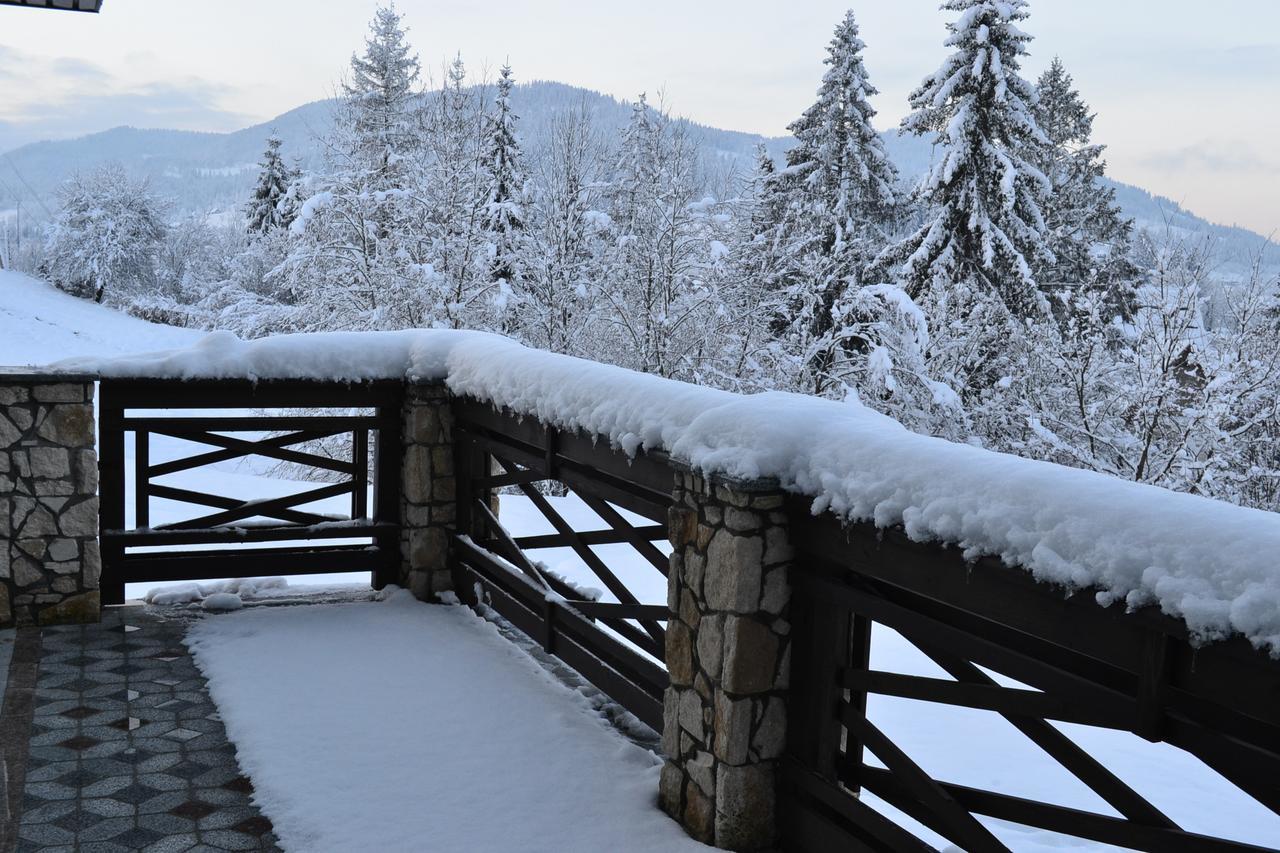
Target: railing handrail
[1196, 558]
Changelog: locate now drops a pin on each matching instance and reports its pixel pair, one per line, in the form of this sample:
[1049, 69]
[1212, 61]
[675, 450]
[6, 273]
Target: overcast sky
[1186, 94]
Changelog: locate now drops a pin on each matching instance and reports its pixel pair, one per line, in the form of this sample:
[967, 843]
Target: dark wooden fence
[227, 520]
[1083, 663]
[1080, 663]
[618, 646]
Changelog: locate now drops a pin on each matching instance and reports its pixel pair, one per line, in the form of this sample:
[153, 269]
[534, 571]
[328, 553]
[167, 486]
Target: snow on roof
[1212, 564]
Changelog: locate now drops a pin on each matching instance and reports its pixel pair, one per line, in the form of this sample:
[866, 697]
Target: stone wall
[428, 509]
[49, 558]
[728, 653]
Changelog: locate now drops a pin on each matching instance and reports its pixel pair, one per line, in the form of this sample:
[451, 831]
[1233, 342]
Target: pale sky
[1186, 92]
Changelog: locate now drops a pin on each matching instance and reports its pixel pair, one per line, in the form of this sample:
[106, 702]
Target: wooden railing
[984, 624]
[298, 537]
[1080, 663]
[618, 646]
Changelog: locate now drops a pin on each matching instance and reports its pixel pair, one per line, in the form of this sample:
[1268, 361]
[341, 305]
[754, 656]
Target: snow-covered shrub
[105, 238]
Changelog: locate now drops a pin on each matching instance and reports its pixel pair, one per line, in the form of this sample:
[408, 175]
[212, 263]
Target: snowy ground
[40, 324]
[400, 726]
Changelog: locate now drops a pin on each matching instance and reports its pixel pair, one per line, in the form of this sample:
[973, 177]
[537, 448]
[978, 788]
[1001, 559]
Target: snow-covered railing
[796, 525]
[1208, 563]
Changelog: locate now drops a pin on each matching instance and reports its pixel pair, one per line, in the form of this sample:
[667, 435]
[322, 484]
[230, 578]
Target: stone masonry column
[428, 510]
[728, 653]
[49, 557]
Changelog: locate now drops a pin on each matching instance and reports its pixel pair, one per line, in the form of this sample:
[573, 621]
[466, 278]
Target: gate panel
[225, 520]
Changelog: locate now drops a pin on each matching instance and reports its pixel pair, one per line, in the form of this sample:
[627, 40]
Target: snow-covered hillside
[40, 324]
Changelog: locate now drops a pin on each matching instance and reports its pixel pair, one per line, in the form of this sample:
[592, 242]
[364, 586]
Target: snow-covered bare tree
[882, 359]
[103, 242]
[1248, 344]
[1160, 398]
[838, 197]
[559, 310]
[749, 283]
[653, 280]
[454, 189]
[1202, 402]
[271, 206]
[984, 227]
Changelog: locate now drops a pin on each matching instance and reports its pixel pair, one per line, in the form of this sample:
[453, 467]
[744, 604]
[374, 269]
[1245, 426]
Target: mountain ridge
[209, 171]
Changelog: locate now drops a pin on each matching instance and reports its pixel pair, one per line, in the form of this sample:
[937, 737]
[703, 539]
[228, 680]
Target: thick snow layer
[40, 324]
[400, 726]
[1207, 562]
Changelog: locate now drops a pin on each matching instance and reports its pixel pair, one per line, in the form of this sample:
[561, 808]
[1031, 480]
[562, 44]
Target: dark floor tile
[128, 751]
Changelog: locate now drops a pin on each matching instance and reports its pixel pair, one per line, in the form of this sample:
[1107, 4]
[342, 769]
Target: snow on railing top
[1209, 563]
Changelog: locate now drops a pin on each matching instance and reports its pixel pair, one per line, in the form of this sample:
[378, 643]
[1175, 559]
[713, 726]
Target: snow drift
[1209, 563]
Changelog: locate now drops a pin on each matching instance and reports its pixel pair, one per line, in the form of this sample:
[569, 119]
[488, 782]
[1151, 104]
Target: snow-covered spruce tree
[838, 199]
[984, 228]
[379, 96]
[357, 261]
[1087, 233]
[104, 240]
[271, 206]
[504, 214]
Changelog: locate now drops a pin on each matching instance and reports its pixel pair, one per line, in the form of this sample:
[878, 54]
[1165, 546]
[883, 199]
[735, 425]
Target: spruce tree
[984, 228]
[359, 260]
[838, 198]
[504, 211]
[1087, 233]
[378, 97]
[266, 212]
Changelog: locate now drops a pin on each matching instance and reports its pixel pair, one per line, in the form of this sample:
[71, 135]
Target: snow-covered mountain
[214, 171]
[204, 171]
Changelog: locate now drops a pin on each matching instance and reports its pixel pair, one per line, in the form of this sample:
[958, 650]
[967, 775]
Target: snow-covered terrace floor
[376, 725]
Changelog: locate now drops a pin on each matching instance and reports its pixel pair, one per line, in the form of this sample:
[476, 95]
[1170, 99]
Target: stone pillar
[728, 653]
[428, 510]
[49, 557]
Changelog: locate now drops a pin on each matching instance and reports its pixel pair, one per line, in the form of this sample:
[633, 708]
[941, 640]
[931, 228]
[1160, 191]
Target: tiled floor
[127, 751]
